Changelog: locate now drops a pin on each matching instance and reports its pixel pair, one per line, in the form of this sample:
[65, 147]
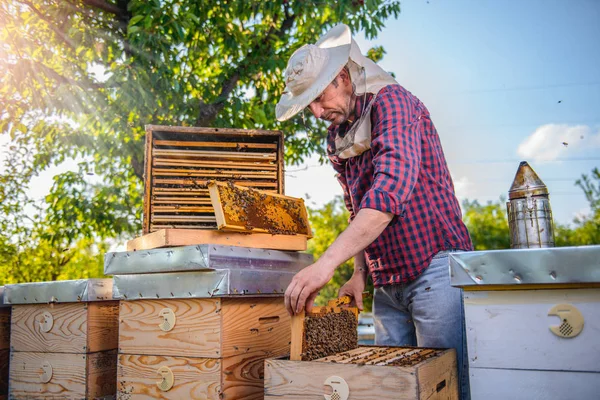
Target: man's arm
[362, 231]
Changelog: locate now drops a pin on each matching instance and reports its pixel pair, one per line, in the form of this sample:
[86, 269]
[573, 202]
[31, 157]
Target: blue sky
[504, 82]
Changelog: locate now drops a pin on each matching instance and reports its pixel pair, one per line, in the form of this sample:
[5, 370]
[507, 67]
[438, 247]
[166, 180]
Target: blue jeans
[426, 312]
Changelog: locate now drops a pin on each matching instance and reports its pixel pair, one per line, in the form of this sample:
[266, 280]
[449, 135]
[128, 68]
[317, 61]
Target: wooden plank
[187, 237]
[227, 155]
[225, 165]
[67, 334]
[297, 336]
[196, 333]
[201, 183]
[184, 209]
[183, 218]
[213, 131]
[147, 180]
[438, 377]
[235, 145]
[238, 208]
[304, 380]
[516, 384]
[511, 329]
[4, 328]
[101, 374]
[103, 326]
[183, 200]
[194, 378]
[157, 227]
[255, 324]
[213, 174]
[4, 362]
[67, 381]
[243, 376]
[280, 166]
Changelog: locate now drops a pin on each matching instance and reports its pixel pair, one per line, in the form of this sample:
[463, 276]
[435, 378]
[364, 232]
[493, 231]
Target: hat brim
[290, 105]
[338, 42]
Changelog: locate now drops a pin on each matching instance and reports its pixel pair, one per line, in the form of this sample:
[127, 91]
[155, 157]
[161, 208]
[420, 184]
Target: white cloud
[553, 141]
[462, 187]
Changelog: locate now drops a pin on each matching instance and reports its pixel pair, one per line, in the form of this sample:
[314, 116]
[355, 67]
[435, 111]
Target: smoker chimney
[529, 213]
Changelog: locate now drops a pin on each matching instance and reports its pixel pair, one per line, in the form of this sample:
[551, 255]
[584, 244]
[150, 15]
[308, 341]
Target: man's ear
[345, 76]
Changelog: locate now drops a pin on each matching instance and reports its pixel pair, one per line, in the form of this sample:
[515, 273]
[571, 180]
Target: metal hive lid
[71, 291]
[203, 257]
[526, 183]
[536, 266]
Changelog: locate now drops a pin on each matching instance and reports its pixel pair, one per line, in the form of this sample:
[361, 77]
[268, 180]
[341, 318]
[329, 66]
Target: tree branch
[208, 112]
[107, 7]
[50, 24]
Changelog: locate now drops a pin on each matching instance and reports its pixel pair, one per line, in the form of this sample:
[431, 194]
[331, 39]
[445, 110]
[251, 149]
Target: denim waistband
[444, 253]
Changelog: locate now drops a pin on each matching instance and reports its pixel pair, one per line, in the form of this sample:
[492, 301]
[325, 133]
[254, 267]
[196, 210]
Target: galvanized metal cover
[59, 291]
[202, 284]
[203, 257]
[557, 265]
[2, 304]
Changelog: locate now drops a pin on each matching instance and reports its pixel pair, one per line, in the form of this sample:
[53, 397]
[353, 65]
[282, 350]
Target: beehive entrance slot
[440, 386]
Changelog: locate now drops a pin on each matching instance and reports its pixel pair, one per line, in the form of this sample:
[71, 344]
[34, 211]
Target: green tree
[586, 228]
[327, 223]
[487, 224]
[80, 78]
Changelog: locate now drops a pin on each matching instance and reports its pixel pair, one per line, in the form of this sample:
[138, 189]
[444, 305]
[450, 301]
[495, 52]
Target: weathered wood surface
[76, 327]
[194, 378]
[431, 378]
[103, 326]
[4, 328]
[243, 376]
[304, 380]
[517, 384]
[68, 333]
[72, 375]
[4, 362]
[242, 209]
[101, 374]
[255, 324]
[187, 237]
[511, 329]
[438, 377]
[197, 330]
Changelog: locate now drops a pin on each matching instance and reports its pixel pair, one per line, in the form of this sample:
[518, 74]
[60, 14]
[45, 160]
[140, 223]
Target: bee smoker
[529, 213]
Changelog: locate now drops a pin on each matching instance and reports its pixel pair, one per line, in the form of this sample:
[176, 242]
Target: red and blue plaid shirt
[404, 173]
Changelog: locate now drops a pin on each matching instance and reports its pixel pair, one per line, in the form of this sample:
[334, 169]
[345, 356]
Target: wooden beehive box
[179, 162]
[532, 318]
[203, 348]
[4, 345]
[63, 339]
[366, 373]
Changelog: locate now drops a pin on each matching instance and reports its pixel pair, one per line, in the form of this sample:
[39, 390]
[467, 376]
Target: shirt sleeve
[396, 149]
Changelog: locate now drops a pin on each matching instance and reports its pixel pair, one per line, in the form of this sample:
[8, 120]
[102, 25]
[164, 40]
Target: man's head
[313, 71]
[336, 103]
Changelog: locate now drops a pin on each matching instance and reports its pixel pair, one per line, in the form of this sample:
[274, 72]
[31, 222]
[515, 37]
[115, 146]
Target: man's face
[335, 103]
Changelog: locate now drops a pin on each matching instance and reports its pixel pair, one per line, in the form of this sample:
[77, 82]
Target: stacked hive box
[198, 321]
[63, 339]
[4, 345]
[532, 318]
[366, 373]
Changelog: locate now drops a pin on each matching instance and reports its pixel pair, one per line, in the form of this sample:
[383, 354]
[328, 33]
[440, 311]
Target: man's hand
[354, 288]
[305, 286]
